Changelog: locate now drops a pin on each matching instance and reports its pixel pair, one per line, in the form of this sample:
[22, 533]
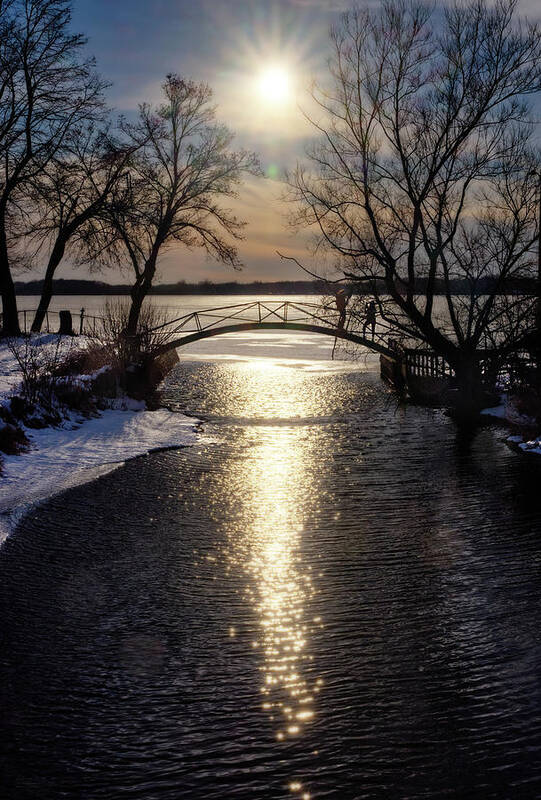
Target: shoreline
[62, 458]
[517, 425]
[68, 441]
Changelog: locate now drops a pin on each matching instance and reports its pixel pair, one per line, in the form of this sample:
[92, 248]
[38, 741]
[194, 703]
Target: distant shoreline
[71, 286]
[84, 287]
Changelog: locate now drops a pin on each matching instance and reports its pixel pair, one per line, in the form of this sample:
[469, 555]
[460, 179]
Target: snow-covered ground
[81, 449]
[61, 458]
[499, 411]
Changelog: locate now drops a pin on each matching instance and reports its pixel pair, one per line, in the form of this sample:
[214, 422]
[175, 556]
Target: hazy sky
[229, 44]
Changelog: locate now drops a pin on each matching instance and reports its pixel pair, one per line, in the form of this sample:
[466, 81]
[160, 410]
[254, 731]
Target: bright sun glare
[274, 85]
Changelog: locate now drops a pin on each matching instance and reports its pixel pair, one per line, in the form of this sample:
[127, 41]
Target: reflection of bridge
[287, 315]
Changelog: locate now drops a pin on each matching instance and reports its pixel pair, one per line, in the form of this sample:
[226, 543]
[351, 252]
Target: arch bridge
[281, 315]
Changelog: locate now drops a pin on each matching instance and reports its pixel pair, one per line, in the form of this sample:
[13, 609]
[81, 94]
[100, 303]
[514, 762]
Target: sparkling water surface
[331, 596]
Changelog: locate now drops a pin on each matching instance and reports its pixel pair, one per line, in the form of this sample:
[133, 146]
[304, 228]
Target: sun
[274, 85]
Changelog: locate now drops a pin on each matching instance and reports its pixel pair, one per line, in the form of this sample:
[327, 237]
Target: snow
[49, 343]
[506, 411]
[62, 458]
[532, 446]
[82, 449]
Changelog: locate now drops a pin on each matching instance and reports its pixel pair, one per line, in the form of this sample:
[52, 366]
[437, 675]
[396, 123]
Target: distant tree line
[74, 286]
[76, 181]
[77, 286]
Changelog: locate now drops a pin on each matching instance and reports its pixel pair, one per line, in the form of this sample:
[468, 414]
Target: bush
[527, 403]
[125, 353]
[39, 362]
[12, 438]
[86, 362]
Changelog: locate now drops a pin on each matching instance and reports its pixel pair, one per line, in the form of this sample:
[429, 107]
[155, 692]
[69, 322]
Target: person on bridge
[370, 317]
[342, 298]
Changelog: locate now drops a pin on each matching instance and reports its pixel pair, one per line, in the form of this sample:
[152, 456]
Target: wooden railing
[426, 363]
[83, 323]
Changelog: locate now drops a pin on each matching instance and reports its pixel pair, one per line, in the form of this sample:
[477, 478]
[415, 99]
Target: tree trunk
[139, 291]
[138, 294]
[469, 389]
[10, 317]
[47, 289]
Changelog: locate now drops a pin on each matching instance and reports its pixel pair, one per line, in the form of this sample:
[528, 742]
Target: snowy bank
[508, 413]
[61, 458]
[77, 447]
[532, 446]
[498, 412]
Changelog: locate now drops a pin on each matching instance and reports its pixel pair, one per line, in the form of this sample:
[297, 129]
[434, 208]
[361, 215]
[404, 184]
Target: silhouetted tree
[65, 200]
[422, 174]
[46, 88]
[178, 178]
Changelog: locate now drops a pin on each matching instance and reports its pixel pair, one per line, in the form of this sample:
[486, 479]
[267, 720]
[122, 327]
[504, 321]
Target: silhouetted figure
[342, 300]
[370, 318]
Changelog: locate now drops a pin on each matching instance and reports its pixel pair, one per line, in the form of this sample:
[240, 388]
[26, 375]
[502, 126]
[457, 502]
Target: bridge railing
[260, 312]
[323, 314]
[256, 311]
[517, 369]
[426, 363]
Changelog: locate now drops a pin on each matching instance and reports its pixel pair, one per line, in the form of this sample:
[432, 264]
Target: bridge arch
[335, 333]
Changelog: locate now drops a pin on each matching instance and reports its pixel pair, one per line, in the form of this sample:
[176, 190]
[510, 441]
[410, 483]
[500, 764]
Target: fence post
[81, 320]
[66, 326]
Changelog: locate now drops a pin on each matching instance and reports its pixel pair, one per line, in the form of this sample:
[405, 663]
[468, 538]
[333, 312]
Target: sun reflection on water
[278, 484]
[279, 479]
[272, 495]
[283, 587]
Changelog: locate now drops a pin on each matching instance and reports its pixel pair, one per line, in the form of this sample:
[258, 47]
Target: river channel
[330, 596]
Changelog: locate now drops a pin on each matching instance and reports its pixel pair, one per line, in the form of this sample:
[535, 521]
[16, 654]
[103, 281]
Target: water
[329, 597]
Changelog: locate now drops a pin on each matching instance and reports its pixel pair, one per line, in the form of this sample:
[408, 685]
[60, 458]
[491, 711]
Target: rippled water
[331, 597]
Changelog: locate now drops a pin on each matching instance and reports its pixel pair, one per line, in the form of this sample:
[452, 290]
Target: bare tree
[421, 179]
[46, 88]
[65, 199]
[180, 174]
